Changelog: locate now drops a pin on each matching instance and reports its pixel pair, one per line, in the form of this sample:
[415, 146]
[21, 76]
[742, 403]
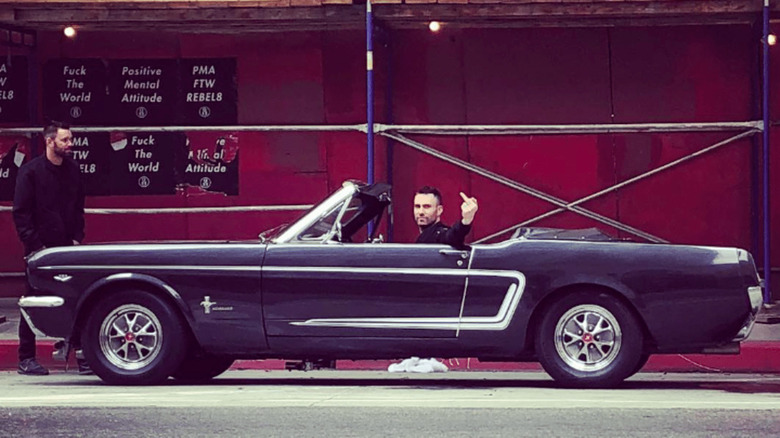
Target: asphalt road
[375, 404]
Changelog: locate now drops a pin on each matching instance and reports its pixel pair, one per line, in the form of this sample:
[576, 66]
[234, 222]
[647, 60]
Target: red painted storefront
[469, 76]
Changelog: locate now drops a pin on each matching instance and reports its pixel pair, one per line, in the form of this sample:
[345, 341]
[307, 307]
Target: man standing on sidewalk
[48, 211]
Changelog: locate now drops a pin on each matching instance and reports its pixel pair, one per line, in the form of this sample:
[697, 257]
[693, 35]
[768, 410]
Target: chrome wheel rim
[131, 337]
[588, 338]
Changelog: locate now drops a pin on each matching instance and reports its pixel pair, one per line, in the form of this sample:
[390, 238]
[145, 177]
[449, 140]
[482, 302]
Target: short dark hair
[50, 130]
[428, 190]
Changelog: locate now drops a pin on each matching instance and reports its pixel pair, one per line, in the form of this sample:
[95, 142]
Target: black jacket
[440, 233]
[49, 204]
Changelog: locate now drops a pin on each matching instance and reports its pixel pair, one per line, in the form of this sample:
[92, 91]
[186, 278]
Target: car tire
[589, 340]
[133, 338]
[200, 369]
[642, 362]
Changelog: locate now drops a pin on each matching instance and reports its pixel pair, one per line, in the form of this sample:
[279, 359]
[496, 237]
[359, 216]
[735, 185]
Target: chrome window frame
[342, 195]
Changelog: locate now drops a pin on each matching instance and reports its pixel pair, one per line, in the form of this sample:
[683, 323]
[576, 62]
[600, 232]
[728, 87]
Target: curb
[755, 357]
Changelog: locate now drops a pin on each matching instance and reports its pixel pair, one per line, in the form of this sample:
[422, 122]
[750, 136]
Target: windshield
[323, 229]
[341, 217]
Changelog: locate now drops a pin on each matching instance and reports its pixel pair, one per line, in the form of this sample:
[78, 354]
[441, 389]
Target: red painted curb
[755, 357]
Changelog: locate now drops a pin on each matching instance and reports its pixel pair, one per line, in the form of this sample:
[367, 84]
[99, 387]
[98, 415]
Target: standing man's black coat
[49, 204]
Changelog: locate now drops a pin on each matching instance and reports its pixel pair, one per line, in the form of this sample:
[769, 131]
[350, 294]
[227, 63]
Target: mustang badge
[209, 306]
[207, 303]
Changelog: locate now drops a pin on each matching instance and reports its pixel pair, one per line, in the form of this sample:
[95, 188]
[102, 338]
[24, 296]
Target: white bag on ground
[417, 365]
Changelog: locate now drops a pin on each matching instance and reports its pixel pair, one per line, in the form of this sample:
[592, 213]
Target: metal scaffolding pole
[765, 167]
[370, 93]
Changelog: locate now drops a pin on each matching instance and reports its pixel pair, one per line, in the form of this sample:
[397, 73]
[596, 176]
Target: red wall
[473, 76]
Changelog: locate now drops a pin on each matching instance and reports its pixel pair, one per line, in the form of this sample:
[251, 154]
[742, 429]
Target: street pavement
[759, 354]
[380, 404]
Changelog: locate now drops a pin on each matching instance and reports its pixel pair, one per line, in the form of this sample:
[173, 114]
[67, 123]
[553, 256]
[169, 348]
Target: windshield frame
[344, 194]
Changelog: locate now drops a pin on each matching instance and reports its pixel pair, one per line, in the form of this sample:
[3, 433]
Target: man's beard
[62, 152]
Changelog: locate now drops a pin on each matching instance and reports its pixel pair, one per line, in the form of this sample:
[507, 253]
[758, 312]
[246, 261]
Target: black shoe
[31, 367]
[84, 369]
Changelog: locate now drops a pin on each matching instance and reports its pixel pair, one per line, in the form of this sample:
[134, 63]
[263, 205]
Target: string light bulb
[69, 31]
[434, 26]
[771, 39]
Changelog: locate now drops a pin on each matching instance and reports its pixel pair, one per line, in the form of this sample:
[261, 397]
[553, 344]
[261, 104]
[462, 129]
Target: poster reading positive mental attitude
[143, 92]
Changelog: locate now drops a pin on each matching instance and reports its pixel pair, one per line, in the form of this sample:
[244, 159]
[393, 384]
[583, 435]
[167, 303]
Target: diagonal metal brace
[624, 183]
[521, 187]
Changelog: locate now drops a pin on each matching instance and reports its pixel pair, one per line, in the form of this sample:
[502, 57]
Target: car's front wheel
[133, 338]
[589, 340]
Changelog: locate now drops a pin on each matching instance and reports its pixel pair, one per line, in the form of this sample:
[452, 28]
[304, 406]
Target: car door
[363, 290]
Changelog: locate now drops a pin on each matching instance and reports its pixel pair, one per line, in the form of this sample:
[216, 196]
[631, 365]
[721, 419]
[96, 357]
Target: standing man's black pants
[26, 340]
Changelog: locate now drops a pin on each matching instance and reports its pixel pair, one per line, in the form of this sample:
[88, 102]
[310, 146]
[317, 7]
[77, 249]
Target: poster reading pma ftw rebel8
[142, 163]
[212, 162]
[92, 152]
[143, 92]
[208, 91]
[74, 91]
[13, 90]
[14, 151]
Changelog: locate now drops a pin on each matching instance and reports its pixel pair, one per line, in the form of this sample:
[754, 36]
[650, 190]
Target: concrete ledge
[755, 357]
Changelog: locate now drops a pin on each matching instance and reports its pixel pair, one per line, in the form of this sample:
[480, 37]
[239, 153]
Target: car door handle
[455, 252]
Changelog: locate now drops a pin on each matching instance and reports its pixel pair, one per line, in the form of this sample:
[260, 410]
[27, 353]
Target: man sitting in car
[428, 209]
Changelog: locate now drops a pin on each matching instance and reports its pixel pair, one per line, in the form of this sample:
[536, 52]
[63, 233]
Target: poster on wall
[212, 162]
[142, 92]
[14, 151]
[92, 152]
[74, 91]
[14, 107]
[208, 91]
[142, 163]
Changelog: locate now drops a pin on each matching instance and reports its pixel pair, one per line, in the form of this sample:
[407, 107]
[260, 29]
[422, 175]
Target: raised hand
[468, 209]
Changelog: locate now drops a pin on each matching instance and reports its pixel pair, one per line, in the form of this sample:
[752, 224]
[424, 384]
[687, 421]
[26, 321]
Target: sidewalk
[759, 354]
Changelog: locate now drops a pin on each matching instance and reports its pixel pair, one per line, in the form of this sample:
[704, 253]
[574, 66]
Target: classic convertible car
[590, 309]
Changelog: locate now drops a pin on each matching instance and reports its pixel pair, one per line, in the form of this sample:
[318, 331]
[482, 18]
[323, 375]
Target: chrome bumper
[756, 297]
[25, 302]
[37, 302]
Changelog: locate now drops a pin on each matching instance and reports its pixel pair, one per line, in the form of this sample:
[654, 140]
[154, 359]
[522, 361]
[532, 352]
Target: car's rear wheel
[133, 338]
[589, 340]
[642, 362]
[199, 369]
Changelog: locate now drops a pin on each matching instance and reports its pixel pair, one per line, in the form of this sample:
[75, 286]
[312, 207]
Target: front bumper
[34, 304]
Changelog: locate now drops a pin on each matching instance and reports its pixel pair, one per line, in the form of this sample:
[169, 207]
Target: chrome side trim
[465, 291]
[49, 301]
[151, 246]
[375, 270]
[152, 268]
[499, 321]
